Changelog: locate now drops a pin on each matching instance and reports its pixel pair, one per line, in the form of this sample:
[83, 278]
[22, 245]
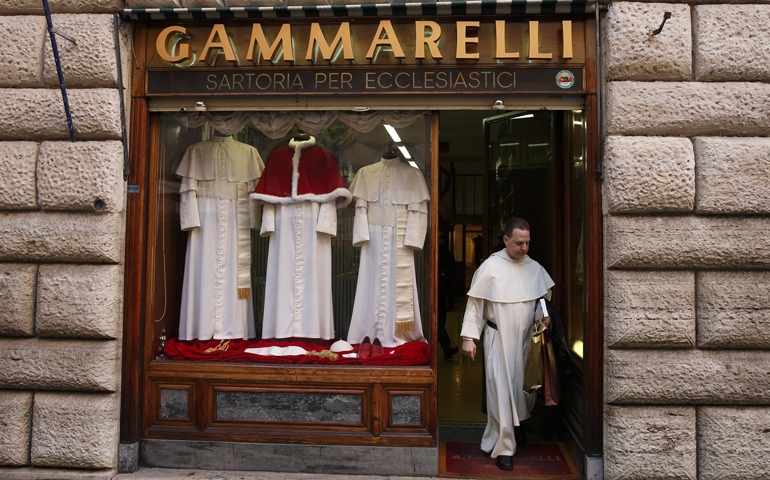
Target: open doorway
[528, 164]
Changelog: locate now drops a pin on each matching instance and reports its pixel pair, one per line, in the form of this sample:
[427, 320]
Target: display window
[291, 237]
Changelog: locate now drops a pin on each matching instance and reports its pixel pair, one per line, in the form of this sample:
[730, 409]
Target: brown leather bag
[552, 388]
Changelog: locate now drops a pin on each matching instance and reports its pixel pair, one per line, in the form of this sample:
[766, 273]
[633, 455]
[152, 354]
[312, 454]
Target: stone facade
[62, 235]
[686, 157]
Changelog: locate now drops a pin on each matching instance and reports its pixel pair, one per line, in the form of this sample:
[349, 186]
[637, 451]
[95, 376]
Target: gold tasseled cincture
[223, 346]
[325, 354]
[244, 293]
[402, 327]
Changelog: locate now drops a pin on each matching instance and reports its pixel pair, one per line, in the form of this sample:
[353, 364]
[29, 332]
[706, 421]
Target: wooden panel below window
[311, 404]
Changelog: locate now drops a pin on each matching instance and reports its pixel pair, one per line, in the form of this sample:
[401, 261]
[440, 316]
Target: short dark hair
[515, 224]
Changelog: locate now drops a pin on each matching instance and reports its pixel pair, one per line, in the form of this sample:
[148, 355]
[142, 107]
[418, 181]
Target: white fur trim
[298, 146]
[340, 193]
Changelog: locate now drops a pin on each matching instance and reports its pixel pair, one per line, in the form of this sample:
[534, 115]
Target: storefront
[495, 104]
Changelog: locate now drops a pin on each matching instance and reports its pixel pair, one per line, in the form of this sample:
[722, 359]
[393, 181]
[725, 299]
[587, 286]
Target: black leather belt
[492, 324]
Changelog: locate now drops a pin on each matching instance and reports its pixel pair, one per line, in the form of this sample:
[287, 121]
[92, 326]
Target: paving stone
[734, 310]
[648, 175]
[732, 175]
[76, 176]
[91, 62]
[19, 56]
[61, 237]
[687, 377]
[59, 364]
[17, 299]
[630, 50]
[649, 309]
[649, 443]
[733, 443]
[15, 424]
[79, 301]
[75, 430]
[732, 43]
[17, 175]
[666, 108]
[686, 242]
[38, 114]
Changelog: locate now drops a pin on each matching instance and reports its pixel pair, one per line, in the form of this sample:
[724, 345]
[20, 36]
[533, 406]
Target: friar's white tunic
[301, 190]
[217, 177]
[390, 223]
[504, 291]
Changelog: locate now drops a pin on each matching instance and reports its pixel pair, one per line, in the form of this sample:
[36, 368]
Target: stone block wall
[62, 236]
[686, 162]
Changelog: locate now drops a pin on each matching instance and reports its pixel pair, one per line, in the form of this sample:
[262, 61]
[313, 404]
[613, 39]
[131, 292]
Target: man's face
[517, 245]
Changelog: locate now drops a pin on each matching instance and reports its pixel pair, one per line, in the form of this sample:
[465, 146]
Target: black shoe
[450, 352]
[505, 462]
[520, 435]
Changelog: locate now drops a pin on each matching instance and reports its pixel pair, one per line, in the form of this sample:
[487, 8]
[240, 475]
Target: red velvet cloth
[318, 173]
[411, 353]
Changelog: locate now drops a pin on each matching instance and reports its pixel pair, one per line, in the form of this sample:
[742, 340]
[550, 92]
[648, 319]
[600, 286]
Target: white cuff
[360, 224]
[189, 217]
[327, 219]
[255, 214]
[416, 226]
[268, 220]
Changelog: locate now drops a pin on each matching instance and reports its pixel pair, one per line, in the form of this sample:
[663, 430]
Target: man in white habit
[501, 301]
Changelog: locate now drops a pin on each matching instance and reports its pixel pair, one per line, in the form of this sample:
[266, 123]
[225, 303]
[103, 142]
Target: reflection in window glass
[353, 149]
[575, 231]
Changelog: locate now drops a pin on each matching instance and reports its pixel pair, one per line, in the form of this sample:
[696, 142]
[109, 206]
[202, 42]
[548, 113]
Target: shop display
[217, 176]
[300, 189]
[391, 221]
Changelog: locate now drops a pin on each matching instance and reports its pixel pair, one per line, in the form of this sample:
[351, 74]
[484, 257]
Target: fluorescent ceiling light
[529, 115]
[404, 151]
[411, 162]
[538, 145]
[577, 122]
[393, 134]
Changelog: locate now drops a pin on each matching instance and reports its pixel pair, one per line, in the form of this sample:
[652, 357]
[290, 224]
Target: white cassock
[217, 177]
[504, 291]
[390, 223]
[301, 189]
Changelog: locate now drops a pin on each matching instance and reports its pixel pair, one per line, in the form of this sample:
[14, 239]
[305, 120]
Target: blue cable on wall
[52, 31]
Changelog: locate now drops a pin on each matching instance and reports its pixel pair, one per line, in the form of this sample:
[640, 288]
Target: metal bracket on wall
[63, 35]
[666, 16]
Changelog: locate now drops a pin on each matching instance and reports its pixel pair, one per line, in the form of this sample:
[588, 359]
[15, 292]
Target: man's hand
[469, 349]
[546, 321]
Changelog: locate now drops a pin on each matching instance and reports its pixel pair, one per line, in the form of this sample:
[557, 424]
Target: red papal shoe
[377, 348]
[365, 349]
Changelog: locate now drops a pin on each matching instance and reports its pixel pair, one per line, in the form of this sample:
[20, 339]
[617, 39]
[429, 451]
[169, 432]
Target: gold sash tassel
[407, 326]
[244, 293]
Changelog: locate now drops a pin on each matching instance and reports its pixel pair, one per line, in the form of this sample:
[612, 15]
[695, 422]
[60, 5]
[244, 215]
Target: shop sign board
[355, 57]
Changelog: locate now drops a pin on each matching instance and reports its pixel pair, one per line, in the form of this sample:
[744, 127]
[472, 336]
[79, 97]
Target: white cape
[502, 279]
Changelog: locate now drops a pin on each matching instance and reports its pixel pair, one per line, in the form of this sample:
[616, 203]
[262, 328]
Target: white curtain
[278, 124]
